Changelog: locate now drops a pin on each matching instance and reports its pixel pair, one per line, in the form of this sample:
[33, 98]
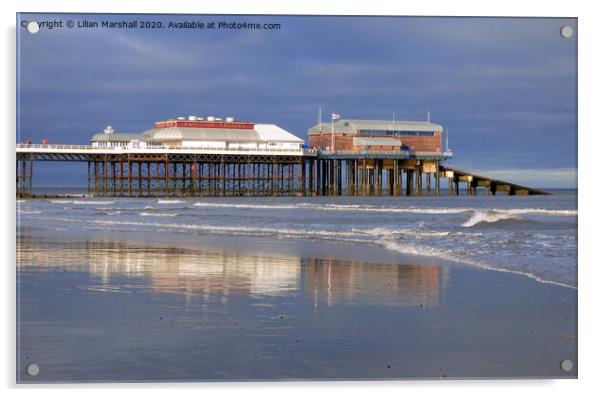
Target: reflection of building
[218, 275]
[405, 285]
[171, 270]
[223, 274]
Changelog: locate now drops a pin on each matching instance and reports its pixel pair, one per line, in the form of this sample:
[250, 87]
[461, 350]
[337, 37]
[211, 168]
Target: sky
[503, 88]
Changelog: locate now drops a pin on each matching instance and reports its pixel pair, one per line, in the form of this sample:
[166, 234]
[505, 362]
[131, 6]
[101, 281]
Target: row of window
[397, 132]
[111, 144]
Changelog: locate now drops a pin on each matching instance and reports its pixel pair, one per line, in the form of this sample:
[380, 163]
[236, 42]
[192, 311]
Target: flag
[336, 116]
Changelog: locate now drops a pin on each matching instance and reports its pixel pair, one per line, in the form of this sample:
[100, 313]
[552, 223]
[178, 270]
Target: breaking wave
[385, 209]
[161, 214]
[111, 212]
[170, 201]
[420, 250]
[28, 211]
[81, 202]
[489, 217]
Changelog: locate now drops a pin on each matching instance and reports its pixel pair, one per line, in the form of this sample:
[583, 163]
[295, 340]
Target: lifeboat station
[211, 156]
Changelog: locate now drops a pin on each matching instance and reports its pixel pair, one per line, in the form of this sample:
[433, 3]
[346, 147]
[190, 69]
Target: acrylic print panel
[218, 197]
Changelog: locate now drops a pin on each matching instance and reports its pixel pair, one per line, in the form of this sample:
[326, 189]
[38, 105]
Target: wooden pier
[190, 172]
[491, 186]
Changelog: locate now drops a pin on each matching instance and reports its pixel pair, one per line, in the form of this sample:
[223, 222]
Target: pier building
[196, 156]
[197, 133]
[343, 134]
[372, 157]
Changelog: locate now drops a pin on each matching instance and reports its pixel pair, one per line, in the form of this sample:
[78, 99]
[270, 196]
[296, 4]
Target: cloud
[505, 87]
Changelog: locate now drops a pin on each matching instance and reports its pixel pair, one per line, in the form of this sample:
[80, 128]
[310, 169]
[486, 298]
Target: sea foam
[488, 217]
[170, 201]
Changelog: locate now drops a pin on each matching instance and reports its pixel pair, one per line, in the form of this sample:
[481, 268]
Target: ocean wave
[82, 202]
[252, 206]
[336, 207]
[111, 213]
[391, 238]
[421, 250]
[150, 207]
[489, 217]
[28, 211]
[414, 210]
[161, 214]
[542, 211]
[387, 232]
[383, 209]
[170, 201]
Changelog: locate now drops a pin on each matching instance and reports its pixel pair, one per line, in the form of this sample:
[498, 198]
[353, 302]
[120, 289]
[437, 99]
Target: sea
[533, 236]
[298, 288]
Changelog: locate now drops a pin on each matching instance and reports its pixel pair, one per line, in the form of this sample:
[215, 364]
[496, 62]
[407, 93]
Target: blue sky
[504, 87]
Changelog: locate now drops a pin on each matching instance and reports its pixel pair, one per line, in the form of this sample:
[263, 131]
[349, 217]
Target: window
[397, 132]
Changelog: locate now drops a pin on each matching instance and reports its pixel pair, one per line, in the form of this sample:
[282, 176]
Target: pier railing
[115, 149]
[60, 147]
[386, 153]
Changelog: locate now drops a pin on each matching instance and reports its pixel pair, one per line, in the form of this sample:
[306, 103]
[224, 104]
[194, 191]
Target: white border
[590, 69]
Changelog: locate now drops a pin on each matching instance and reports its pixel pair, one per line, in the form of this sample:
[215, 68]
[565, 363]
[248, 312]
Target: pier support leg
[437, 181]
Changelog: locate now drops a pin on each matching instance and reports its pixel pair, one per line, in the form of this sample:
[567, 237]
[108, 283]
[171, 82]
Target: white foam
[28, 212]
[418, 250]
[149, 207]
[157, 214]
[113, 212]
[336, 207]
[414, 210]
[488, 217]
[542, 211]
[383, 231]
[248, 206]
[89, 202]
[386, 232]
[81, 202]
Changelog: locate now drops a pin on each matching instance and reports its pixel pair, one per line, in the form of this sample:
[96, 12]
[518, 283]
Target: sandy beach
[97, 308]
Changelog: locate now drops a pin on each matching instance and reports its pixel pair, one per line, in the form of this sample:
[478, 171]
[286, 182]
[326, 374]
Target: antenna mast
[320, 117]
[446, 139]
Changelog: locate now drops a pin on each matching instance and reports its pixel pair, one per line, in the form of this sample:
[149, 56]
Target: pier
[161, 172]
[491, 186]
[197, 156]
[173, 172]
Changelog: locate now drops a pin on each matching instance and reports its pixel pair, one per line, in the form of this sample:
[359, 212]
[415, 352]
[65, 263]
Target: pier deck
[135, 172]
[491, 185]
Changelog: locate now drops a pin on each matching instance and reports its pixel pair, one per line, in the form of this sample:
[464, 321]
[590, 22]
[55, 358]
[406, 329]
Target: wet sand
[96, 308]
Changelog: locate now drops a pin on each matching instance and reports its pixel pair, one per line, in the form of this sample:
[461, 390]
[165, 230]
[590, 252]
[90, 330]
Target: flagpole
[447, 139]
[320, 117]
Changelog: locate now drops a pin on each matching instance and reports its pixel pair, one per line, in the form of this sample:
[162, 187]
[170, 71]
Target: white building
[198, 133]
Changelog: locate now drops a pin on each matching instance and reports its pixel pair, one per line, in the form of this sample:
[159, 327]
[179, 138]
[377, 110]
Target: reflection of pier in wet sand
[188, 314]
[213, 274]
